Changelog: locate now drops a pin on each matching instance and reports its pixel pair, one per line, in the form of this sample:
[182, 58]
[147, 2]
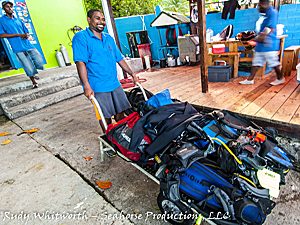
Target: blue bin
[219, 73]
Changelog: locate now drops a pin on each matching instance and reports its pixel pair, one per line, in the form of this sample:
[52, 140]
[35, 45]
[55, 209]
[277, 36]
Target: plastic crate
[219, 73]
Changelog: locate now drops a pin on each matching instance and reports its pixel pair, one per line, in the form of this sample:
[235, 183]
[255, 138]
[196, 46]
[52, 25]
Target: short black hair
[264, 1]
[91, 12]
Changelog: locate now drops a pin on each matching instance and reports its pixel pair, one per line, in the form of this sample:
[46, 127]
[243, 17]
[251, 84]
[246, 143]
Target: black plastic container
[163, 63]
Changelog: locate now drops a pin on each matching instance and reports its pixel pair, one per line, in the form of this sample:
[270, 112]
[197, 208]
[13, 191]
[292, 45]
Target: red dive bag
[120, 135]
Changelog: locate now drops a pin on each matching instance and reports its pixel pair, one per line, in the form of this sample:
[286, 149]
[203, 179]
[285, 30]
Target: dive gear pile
[207, 163]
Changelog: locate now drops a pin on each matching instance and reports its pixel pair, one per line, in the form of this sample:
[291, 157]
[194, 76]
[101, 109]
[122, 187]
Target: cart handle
[143, 90]
[98, 111]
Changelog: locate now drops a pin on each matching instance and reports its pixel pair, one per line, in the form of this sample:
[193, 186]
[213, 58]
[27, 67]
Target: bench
[232, 58]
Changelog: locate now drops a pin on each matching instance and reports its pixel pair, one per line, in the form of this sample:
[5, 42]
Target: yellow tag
[157, 159]
[199, 220]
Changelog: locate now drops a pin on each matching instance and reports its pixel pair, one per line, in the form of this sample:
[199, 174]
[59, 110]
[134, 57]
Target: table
[233, 47]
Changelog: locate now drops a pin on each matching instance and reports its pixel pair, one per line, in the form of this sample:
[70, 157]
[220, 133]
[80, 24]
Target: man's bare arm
[81, 69]
[127, 69]
[24, 36]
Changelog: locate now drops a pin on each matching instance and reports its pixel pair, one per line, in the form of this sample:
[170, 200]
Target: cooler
[218, 48]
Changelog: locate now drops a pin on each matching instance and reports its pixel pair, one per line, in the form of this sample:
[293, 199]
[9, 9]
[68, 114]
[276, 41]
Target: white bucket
[178, 62]
[171, 62]
[298, 72]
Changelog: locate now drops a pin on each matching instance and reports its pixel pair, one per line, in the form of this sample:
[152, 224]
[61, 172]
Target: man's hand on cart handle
[88, 91]
[135, 79]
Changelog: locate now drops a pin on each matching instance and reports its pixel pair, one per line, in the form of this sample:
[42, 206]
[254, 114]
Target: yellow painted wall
[52, 19]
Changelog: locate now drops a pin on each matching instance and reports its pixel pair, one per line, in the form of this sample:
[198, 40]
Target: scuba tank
[60, 59]
[65, 55]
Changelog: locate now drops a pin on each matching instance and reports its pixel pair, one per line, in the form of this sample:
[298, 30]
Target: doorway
[4, 60]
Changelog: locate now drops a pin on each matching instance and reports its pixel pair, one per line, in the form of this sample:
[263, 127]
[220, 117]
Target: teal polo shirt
[15, 26]
[100, 58]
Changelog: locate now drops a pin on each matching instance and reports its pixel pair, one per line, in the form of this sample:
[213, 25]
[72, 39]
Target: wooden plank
[289, 108]
[182, 87]
[281, 46]
[225, 54]
[263, 96]
[167, 78]
[183, 83]
[202, 45]
[210, 99]
[198, 96]
[236, 66]
[296, 119]
[225, 94]
[275, 103]
[174, 80]
[241, 93]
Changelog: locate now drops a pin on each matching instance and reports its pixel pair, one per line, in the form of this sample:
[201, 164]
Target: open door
[21, 12]
[15, 63]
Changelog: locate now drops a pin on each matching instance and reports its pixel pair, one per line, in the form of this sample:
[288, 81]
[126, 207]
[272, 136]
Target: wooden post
[112, 30]
[113, 24]
[202, 45]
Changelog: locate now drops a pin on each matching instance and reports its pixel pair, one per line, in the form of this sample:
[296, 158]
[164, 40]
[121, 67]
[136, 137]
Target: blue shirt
[100, 58]
[15, 26]
[271, 42]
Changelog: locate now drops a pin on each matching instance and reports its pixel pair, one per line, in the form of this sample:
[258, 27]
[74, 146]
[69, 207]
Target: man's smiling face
[97, 22]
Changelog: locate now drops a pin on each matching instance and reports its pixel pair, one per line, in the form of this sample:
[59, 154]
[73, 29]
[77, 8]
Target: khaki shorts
[113, 102]
[261, 58]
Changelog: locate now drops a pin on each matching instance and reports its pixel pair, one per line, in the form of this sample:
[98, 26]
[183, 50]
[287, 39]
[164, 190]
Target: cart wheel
[176, 212]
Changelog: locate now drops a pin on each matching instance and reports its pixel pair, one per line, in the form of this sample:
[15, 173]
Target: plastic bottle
[65, 55]
[209, 35]
[60, 59]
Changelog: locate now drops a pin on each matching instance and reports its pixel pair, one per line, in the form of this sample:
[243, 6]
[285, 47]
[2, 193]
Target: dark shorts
[113, 102]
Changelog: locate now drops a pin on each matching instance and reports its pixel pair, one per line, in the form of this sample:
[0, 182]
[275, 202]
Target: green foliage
[181, 6]
[132, 7]
[122, 8]
[92, 4]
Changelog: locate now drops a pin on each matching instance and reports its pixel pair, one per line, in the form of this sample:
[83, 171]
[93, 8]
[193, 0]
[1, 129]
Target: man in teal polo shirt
[17, 35]
[266, 50]
[96, 54]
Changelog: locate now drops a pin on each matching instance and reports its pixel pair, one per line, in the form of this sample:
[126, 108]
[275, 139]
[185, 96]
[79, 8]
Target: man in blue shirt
[96, 54]
[267, 44]
[17, 34]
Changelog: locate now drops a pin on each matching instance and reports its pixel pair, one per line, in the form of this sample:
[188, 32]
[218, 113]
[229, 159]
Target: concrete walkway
[46, 173]
[38, 188]
[58, 178]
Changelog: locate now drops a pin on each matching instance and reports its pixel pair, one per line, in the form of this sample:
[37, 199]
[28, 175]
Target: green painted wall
[52, 19]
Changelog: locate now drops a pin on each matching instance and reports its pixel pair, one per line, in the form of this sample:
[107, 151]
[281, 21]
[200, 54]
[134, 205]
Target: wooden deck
[269, 105]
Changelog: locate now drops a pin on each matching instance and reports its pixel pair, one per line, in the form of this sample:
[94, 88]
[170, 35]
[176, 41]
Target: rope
[228, 149]
[246, 179]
